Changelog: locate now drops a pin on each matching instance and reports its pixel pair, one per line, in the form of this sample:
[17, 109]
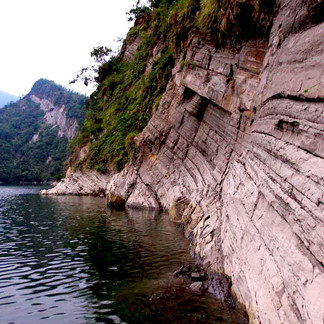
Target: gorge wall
[235, 153]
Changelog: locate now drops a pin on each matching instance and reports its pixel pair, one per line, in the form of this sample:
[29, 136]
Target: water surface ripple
[69, 260]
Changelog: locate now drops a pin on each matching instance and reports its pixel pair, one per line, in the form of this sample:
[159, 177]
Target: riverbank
[234, 153]
[76, 261]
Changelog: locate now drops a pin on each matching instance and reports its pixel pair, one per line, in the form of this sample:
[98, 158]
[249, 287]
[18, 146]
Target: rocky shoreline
[217, 284]
[235, 154]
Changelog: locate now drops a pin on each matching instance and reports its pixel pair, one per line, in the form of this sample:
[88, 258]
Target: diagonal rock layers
[235, 153]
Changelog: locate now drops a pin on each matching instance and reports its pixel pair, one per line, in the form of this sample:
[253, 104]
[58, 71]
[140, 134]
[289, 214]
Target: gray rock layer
[81, 182]
[89, 183]
[235, 153]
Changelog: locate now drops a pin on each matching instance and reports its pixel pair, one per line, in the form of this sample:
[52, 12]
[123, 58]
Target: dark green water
[70, 260]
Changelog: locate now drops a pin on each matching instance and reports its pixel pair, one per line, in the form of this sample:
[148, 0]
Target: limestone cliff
[235, 153]
[56, 116]
[62, 108]
[76, 182]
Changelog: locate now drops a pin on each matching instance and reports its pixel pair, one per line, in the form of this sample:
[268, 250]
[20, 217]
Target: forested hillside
[32, 144]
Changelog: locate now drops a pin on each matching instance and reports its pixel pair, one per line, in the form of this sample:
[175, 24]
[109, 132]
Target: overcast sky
[53, 39]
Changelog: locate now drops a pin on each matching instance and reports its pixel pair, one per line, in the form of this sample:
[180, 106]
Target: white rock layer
[235, 153]
[57, 116]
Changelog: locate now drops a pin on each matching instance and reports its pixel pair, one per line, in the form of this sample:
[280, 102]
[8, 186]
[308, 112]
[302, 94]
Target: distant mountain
[6, 98]
[35, 133]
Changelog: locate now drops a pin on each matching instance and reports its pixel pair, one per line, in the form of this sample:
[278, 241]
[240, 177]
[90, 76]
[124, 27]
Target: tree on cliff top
[88, 75]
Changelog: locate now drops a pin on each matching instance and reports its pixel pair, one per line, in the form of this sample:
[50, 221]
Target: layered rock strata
[235, 153]
[56, 116]
[81, 182]
[89, 183]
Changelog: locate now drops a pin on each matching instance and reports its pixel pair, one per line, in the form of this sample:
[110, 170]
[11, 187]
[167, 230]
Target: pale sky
[53, 39]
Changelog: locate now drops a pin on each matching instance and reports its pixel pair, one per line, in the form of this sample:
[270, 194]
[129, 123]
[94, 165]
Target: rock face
[131, 48]
[235, 153]
[79, 183]
[88, 183]
[57, 116]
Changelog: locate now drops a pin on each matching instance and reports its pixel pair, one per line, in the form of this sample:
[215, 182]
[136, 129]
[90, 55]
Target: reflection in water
[69, 260]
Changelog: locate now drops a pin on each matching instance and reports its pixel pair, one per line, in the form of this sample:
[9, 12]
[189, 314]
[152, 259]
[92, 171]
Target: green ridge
[25, 161]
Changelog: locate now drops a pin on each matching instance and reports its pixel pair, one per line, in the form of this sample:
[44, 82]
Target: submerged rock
[217, 284]
[196, 286]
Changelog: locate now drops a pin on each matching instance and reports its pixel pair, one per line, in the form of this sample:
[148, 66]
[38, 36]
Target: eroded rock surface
[131, 48]
[56, 116]
[80, 183]
[235, 153]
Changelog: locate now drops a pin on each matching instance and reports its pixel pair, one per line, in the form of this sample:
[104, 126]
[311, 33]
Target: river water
[70, 260]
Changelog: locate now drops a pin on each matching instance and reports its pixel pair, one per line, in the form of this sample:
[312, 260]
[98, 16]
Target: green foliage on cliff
[216, 21]
[31, 150]
[122, 106]
[126, 96]
[233, 20]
